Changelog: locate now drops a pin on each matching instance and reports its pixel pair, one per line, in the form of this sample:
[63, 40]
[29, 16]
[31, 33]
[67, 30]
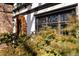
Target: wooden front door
[21, 25]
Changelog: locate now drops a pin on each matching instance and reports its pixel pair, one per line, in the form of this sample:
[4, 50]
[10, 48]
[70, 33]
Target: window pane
[63, 17]
[53, 18]
[39, 27]
[42, 20]
[53, 25]
[63, 25]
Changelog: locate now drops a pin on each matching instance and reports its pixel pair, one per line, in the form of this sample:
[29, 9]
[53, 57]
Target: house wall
[30, 18]
[32, 29]
[14, 25]
[54, 7]
[30, 23]
[77, 11]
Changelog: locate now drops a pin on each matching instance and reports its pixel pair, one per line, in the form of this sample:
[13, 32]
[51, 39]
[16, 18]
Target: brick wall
[6, 18]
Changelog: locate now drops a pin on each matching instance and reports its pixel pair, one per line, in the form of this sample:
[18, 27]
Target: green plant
[47, 42]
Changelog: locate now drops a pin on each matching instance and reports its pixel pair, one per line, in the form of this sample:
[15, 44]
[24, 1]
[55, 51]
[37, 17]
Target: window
[64, 17]
[54, 25]
[63, 25]
[53, 18]
[57, 20]
[40, 22]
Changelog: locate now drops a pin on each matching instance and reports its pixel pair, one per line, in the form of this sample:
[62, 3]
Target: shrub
[47, 42]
